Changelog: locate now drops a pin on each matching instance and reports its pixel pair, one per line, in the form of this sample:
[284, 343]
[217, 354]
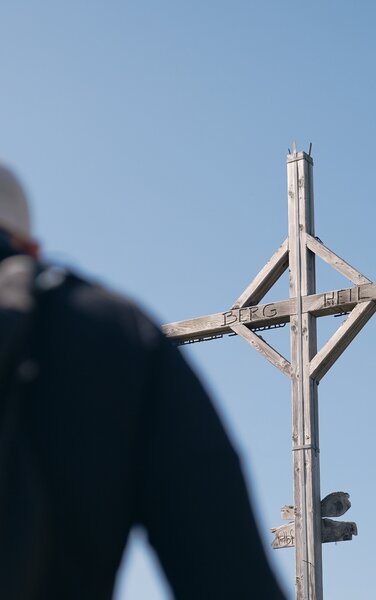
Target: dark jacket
[113, 430]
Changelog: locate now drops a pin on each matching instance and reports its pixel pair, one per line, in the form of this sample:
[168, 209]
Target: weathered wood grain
[304, 390]
[335, 504]
[288, 512]
[319, 305]
[336, 301]
[335, 261]
[331, 531]
[337, 344]
[264, 348]
[337, 531]
[260, 316]
[266, 278]
[284, 536]
[307, 367]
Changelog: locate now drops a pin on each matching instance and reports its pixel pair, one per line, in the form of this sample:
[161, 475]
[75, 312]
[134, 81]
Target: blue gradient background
[152, 137]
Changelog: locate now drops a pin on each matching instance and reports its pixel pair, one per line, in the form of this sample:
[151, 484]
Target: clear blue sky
[152, 137]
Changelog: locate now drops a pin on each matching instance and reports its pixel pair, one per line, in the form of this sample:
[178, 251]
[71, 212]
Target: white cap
[14, 209]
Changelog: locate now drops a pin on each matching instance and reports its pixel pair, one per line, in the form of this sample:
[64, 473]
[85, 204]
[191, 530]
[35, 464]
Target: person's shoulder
[99, 308]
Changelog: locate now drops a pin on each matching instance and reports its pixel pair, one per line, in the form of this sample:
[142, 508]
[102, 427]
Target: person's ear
[32, 248]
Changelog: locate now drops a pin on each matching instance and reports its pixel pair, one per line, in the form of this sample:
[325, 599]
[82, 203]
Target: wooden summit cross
[308, 527]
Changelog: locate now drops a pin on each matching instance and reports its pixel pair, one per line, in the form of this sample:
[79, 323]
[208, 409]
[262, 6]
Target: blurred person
[103, 426]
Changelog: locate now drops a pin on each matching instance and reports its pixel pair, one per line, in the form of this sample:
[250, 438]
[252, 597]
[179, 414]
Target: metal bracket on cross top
[307, 365]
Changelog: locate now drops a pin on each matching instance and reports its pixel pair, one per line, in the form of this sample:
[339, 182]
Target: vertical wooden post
[304, 389]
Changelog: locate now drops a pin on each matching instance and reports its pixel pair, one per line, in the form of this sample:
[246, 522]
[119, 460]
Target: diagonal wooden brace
[335, 261]
[332, 350]
[264, 348]
[266, 278]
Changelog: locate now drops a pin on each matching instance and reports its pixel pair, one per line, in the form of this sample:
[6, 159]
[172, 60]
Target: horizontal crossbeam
[264, 315]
